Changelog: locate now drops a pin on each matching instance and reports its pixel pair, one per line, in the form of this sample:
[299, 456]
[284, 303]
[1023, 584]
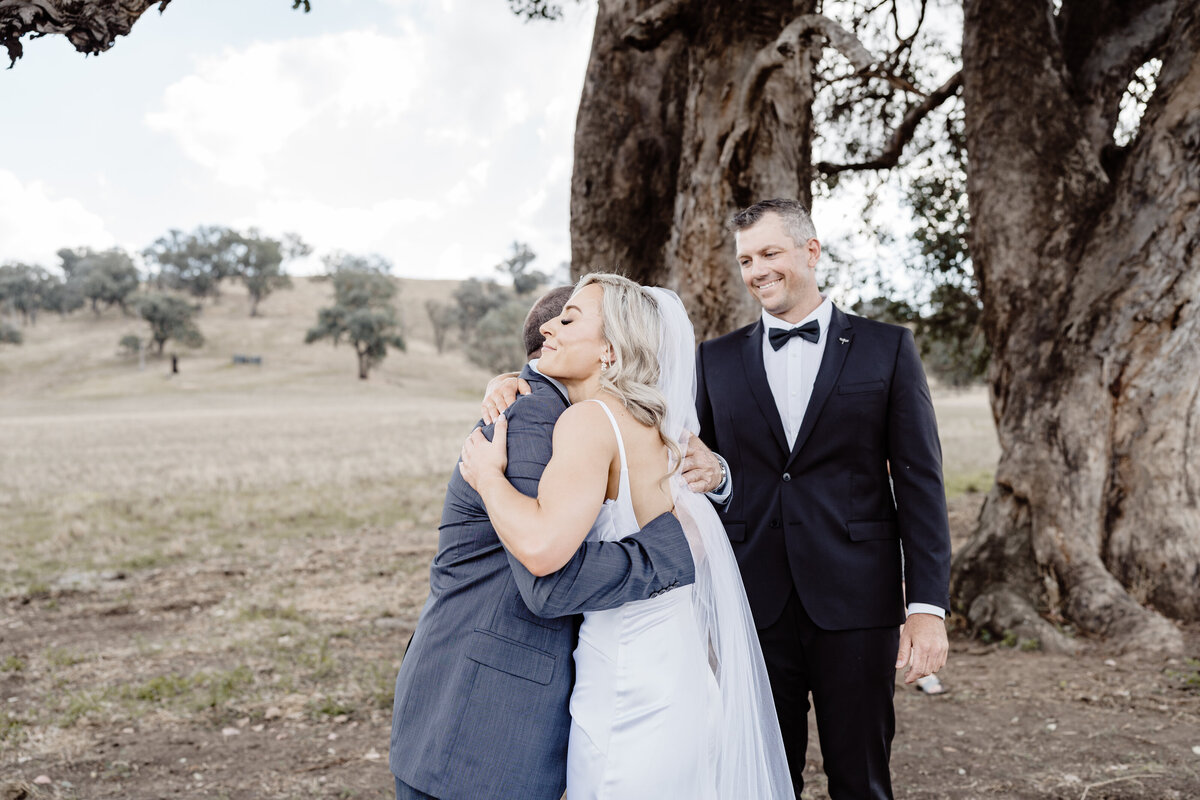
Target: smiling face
[575, 345]
[779, 272]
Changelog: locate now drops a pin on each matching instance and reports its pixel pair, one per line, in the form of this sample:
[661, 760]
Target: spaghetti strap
[616, 430]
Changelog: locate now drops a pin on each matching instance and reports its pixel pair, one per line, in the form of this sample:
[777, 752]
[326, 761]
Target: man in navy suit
[481, 705]
[811, 407]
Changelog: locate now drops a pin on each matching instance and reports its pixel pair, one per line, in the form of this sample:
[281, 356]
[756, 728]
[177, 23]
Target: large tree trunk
[680, 124]
[90, 26]
[1087, 260]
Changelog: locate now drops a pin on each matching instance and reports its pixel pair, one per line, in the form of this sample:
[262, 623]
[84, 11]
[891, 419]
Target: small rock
[243, 722]
[1108, 662]
[372, 755]
[230, 732]
[183, 761]
[332, 736]
[126, 730]
[1072, 779]
[340, 718]
[1014, 720]
[43, 780]
[962, 771]
[1052, 727]
[1196, 749]
[258, 728]
[272, 713]
[331, 751]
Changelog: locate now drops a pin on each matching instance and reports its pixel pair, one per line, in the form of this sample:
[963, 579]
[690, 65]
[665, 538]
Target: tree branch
[785, 47]
[657, 23]
[903, 134]
[91, 27]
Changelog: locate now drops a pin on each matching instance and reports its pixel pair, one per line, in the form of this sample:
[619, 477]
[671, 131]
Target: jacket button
[787, 476]
[774, 523]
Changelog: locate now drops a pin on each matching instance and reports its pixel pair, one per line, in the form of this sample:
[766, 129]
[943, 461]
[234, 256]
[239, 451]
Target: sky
[433, 132]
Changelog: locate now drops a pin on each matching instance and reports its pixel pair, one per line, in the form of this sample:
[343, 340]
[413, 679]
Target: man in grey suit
[481, 706]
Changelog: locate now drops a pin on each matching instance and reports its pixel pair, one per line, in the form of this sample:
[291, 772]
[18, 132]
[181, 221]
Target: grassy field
[207, 580]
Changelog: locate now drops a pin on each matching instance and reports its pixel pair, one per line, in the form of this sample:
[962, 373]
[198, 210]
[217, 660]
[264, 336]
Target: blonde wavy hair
[632, 328]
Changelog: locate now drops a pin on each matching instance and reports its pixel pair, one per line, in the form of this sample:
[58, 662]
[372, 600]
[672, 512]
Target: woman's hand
[482, 459]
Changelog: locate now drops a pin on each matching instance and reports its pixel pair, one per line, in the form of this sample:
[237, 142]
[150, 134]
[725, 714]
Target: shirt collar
[822, 314]
[533, 365]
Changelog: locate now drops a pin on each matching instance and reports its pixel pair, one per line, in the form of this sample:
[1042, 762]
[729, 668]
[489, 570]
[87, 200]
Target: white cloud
[34, 224]
[435, 138]
[239, 109]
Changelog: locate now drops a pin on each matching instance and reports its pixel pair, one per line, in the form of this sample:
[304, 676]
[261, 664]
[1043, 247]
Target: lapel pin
[843, 341]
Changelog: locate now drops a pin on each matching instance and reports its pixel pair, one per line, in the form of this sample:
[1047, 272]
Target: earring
[604, 366]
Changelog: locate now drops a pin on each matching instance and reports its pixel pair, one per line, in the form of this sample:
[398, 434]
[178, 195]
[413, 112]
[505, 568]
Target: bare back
[647, 460]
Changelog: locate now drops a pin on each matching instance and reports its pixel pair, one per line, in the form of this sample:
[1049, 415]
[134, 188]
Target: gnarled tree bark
[652, 183]
[1087, 257]
[91, 27]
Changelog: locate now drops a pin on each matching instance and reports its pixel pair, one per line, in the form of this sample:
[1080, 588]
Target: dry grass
[235, 547]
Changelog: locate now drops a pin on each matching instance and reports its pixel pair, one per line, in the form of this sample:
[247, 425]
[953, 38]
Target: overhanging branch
[657, 23]
[773, 57]
[91, 27]
[903, 134]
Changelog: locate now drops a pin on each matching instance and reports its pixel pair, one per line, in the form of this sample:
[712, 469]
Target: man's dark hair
[548, 306]
[794, 215]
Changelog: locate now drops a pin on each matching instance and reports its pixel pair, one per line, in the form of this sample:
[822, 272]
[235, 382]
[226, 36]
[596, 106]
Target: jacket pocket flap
[736, 531]
[513, 658]
[872, 529]
[861, 388]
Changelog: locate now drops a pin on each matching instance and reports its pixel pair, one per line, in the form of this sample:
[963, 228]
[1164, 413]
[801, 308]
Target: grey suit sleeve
[603, 575]
[600, 575]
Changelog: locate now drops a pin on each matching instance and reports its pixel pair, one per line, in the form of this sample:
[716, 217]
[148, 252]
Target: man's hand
[923, 646]
[501, 392]
[700, 467]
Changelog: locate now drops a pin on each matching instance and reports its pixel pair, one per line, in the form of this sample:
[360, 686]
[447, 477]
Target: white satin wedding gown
[646, 708]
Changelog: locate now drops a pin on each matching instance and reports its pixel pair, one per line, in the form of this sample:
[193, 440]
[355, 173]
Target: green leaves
[362, 313]
[170, 318]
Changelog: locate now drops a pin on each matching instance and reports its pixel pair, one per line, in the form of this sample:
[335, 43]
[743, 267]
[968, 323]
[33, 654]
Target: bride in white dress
[671, 698]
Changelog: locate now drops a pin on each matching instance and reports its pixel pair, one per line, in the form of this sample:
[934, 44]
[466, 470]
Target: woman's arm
[544, 532]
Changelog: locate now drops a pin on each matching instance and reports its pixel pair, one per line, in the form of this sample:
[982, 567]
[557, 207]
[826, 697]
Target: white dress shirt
[791, 374]
[792, 369]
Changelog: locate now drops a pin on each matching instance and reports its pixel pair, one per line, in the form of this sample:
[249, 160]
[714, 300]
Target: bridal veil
[751, 761]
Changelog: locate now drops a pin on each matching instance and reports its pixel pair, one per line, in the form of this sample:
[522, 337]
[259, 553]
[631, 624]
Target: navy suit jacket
[821, 515]
[481, 705]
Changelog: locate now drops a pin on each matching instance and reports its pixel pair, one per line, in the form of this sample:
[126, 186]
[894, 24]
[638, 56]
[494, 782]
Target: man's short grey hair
[796, 220]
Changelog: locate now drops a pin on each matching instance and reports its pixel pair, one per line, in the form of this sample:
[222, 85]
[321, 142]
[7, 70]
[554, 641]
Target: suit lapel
[756, 377]
[837, 346]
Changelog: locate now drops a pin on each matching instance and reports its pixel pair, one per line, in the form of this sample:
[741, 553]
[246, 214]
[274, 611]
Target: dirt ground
[292, 700]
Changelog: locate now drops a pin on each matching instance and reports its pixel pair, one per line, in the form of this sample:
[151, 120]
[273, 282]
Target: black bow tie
[809, 331]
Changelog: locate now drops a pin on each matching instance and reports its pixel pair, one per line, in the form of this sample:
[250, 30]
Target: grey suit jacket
[481, 698]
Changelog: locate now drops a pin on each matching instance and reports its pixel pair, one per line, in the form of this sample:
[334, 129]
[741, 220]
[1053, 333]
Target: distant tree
[341, 261]
[105, 277]
[23, 289]
[475, 298]
[362, 310]
[443, 316]
[130, 344]
[259, 262]
[496, 342]
[516, 266]
[63, 296]
[170, 318]
[9, 334]
[195, 263]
